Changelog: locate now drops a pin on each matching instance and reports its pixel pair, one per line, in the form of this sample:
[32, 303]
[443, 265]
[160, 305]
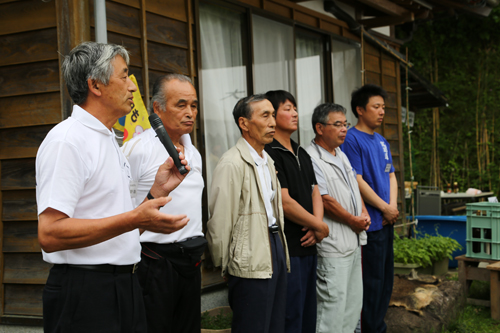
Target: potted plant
[429, 253]
[217, 320]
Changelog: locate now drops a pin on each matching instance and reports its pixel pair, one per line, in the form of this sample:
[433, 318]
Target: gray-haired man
[339, 254]
[169, 271]
[245, 231]
[87, 226]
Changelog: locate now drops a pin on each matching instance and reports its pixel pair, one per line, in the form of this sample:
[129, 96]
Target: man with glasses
[339, 254]
[370, 155]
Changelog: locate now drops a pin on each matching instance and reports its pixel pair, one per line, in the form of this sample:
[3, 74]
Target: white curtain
[273, 56]
[223, 79]
[346, 62]
[310, 82]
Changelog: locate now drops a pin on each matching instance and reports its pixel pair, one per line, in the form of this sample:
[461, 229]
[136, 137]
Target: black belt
[274, 229]
[106, 268]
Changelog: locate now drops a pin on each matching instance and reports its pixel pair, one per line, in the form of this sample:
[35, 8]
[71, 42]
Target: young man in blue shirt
[370, 155]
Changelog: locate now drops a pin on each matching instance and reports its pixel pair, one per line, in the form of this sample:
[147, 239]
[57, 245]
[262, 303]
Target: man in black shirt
[303, 209]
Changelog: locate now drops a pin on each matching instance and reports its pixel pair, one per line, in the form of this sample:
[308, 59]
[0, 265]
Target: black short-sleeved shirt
[296, 173]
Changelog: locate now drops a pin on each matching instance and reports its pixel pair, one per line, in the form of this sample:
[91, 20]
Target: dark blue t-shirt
[370, 156]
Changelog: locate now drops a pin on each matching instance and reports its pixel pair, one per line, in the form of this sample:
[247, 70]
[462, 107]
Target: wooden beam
[483, 11]
[383, 21]
[144, 49]
[386, 6]
[73, 28]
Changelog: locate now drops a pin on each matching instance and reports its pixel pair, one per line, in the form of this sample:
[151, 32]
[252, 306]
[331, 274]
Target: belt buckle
[134, 269]
[274, 228]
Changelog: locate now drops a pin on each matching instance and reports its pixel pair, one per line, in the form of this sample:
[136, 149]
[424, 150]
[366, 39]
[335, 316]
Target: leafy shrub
[424, 251]
[220, 321]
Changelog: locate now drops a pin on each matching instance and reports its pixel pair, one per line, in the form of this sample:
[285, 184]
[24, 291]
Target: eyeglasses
[339, 125]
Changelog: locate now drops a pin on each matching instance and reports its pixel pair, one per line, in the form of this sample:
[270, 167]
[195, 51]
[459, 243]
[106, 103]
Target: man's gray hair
[89, 60]
[159, 91]
[322, 112]
[244, 109]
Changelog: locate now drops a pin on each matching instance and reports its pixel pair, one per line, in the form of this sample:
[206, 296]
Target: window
[310, 80]
[223, 77]
[346, 63]
[284, 57]
[273, 56]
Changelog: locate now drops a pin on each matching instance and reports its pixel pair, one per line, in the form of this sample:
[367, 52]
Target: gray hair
[159, 91]
[243, 108]
[89, 60]
[322, 112]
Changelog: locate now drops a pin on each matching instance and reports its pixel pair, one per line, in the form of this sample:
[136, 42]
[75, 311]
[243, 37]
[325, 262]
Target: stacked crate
[483, 230]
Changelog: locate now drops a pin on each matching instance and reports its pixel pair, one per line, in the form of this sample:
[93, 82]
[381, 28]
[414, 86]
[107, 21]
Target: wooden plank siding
[30, 96]
[383, 70]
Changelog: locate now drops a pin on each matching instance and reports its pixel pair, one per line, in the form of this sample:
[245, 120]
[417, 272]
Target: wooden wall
[31, 106]
[383, 70]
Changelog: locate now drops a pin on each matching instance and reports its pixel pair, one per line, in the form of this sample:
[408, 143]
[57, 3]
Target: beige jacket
[237, 232]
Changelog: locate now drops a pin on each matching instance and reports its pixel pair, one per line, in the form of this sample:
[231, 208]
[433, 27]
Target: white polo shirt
[145, 154]
[81, 172]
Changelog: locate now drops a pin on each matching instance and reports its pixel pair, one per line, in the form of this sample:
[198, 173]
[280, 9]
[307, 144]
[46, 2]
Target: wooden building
[230, 48]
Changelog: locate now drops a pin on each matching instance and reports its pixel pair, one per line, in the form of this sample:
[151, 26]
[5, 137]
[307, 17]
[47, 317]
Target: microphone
[162, 134]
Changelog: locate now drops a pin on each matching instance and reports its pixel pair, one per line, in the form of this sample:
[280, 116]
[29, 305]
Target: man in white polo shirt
[87, 226]
[169, 271]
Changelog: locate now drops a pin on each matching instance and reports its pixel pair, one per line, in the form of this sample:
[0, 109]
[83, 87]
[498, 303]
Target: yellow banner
[137, 120]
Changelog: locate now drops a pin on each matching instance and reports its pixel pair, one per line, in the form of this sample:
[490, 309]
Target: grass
[217, 322]
[475, 319]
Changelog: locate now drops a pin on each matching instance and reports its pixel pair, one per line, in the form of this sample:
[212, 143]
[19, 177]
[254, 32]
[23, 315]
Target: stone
[423, 304]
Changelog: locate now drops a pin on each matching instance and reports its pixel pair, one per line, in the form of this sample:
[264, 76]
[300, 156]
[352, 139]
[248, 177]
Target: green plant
[220, 321]
[425, 250]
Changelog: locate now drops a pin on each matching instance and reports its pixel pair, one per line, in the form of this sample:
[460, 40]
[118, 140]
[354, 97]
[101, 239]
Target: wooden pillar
[73, 28]
[144, 49]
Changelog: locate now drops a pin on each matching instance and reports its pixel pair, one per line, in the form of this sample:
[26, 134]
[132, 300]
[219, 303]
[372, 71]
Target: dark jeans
[301, 307]
[378, 279]
[77, 300]
[171, 294]
[259, 304]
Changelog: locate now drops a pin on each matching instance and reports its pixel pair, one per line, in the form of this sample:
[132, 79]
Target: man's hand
[168, 177]
[368, 220]
[321, 232]
[153, 220]
[309, 238]
[359, 223]
[391, 214]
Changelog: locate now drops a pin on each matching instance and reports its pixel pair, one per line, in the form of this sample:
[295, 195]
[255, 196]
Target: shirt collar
[185, 140]
[89, 120]
[256, 157]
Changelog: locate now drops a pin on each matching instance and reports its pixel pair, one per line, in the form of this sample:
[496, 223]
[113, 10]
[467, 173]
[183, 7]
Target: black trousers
[172, 295]
[259, 305]
[77, 300]
[378, 279]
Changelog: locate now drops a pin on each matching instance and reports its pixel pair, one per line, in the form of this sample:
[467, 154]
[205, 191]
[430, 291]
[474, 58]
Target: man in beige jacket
[245, 231]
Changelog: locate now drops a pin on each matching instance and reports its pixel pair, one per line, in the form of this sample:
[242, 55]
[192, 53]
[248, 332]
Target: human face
[260, 128]
[331, 135]
[287, 117]
[373, 114]
[117, 96]
[181, 108]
